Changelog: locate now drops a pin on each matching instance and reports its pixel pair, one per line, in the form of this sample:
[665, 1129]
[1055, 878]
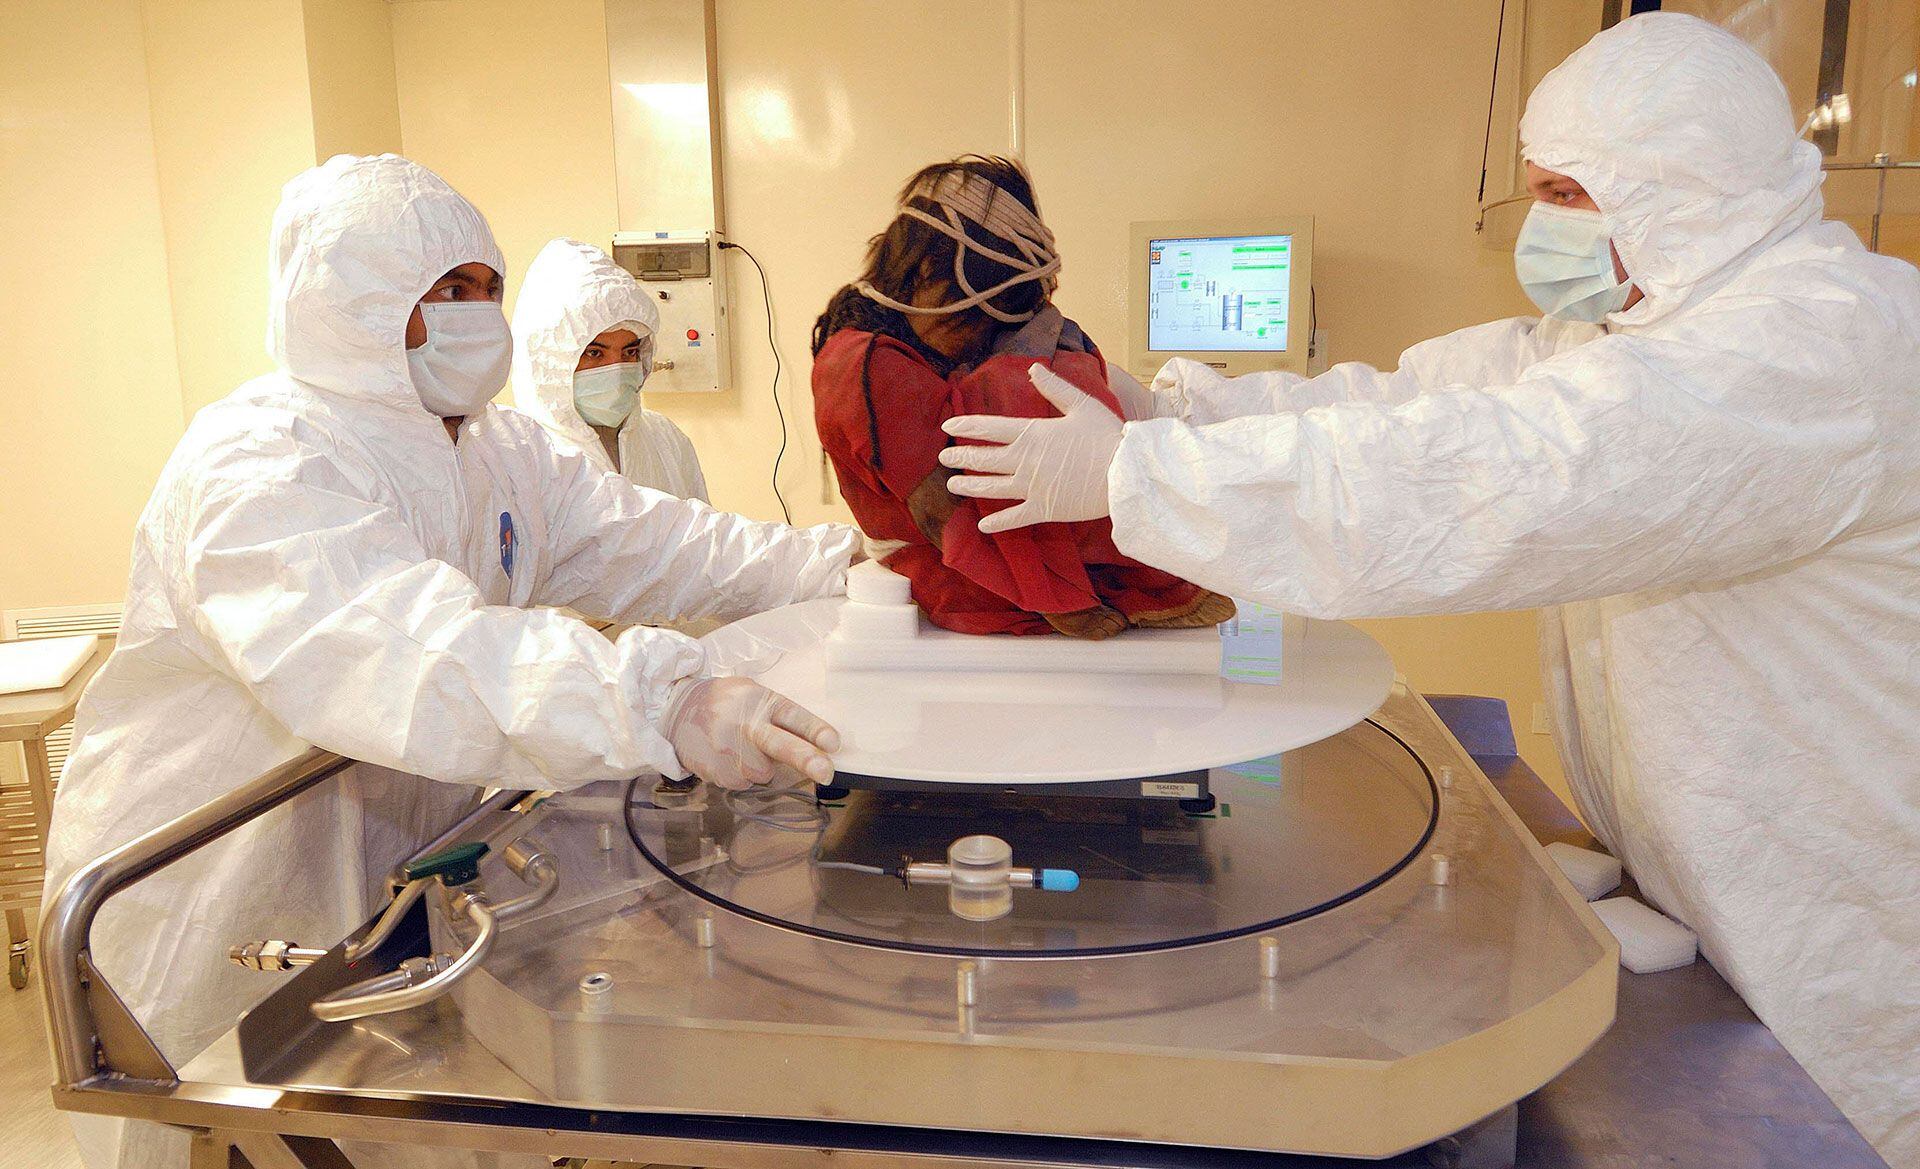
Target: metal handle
[79, 1002]
[420, 981]
[68, 916]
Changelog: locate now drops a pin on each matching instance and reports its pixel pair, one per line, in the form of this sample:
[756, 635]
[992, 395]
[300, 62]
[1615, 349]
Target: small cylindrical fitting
[703, 931]
[981, 886]
[598, 991]
[1269, 958]
[1442, 869]
[966, 984]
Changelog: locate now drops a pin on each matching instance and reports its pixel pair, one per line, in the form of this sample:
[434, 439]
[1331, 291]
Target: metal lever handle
[419, 981]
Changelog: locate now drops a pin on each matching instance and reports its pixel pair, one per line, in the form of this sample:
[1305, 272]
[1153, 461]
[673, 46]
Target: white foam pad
[878, 622]
[46, 664]
[873, 583]
[1137, 651]
[1595, 874]
[1649, 940]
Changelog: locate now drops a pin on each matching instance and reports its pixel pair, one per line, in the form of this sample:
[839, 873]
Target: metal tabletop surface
[1687, 1076]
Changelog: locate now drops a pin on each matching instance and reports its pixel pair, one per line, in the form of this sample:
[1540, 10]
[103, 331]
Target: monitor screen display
[1219, 293]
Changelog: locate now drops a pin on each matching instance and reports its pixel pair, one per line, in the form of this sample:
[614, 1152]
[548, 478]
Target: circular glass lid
[1287, 837]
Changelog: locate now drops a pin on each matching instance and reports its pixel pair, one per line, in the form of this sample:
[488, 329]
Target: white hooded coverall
[319, 564]
[1720, 491]
[574, 292]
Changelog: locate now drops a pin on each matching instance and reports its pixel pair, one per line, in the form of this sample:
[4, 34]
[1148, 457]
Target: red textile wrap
[972, 582]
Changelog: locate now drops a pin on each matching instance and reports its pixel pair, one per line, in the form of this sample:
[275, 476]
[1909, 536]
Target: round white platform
[1007, 729]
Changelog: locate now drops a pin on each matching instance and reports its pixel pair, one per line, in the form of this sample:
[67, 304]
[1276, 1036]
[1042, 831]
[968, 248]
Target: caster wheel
[829, 793]
[17, 970]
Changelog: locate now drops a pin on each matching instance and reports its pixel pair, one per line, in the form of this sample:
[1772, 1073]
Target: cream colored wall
[350, 79]
[91, 392]
[509, 102]
[232, 122]
[1367, 114]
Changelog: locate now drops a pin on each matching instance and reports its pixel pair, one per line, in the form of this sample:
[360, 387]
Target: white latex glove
[1056, 467]
[736, 733]
[1137, 402]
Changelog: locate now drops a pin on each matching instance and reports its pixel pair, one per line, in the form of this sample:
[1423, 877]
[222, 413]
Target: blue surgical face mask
[606, 396]
[1565, 262]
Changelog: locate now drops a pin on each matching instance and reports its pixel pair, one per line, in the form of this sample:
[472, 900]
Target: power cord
[766, 298]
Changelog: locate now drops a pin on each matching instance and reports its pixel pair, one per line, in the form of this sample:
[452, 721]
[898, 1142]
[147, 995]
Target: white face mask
[465, 360]
[606, 395]
[1565, 262]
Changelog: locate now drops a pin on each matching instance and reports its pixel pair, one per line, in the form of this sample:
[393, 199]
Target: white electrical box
[684, 273]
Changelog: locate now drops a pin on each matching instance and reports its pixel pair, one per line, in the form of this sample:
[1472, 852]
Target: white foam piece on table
[1650, 941]
[1594, 874]
[862, 622]
[873, 583]
[881, 628]
[1137, 651]
[44, 664]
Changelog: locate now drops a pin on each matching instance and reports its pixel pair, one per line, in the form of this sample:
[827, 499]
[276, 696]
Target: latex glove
[1137, 402]
[736, 733]
[1055, 467]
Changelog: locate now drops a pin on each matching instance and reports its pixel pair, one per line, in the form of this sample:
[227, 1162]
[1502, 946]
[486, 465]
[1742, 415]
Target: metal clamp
[419, 981]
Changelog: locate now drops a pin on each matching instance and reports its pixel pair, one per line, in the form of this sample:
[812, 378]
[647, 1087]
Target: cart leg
[40, 786]
[1491, 1144]
[209, 1151]
[263, 1150]
[17, 946]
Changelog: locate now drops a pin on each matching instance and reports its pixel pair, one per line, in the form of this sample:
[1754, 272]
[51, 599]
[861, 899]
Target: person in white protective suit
[583, 343]
[1718, 484]
[345, 553]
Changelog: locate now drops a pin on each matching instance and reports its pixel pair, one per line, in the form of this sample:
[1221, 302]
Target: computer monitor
[1234, 294]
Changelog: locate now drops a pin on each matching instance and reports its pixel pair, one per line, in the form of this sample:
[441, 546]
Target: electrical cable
[1493, 90]
[766, 299]
[1313, 323]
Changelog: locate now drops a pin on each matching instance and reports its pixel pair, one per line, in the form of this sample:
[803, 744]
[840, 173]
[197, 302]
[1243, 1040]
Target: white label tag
[1170, 791]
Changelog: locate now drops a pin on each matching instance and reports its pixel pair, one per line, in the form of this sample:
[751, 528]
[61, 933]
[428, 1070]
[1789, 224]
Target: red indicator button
[693, 334]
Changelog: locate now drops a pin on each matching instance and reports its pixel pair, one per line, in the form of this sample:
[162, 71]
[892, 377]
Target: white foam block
[1595, 874]
[860, 622]
[873, 583]
[46, 664]
[1137, 651]
[1649, 940]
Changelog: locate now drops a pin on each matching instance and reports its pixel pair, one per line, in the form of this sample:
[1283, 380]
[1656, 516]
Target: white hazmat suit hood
[573, 293]
[1683, 137]
[320, 565]
[356, 243]
[1721, 493]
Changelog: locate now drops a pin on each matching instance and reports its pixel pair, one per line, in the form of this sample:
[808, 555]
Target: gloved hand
[1057, 467]
[1137, 402]
[736, 733]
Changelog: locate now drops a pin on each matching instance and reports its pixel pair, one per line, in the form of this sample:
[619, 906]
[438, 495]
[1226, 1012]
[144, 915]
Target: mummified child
[953, 308]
